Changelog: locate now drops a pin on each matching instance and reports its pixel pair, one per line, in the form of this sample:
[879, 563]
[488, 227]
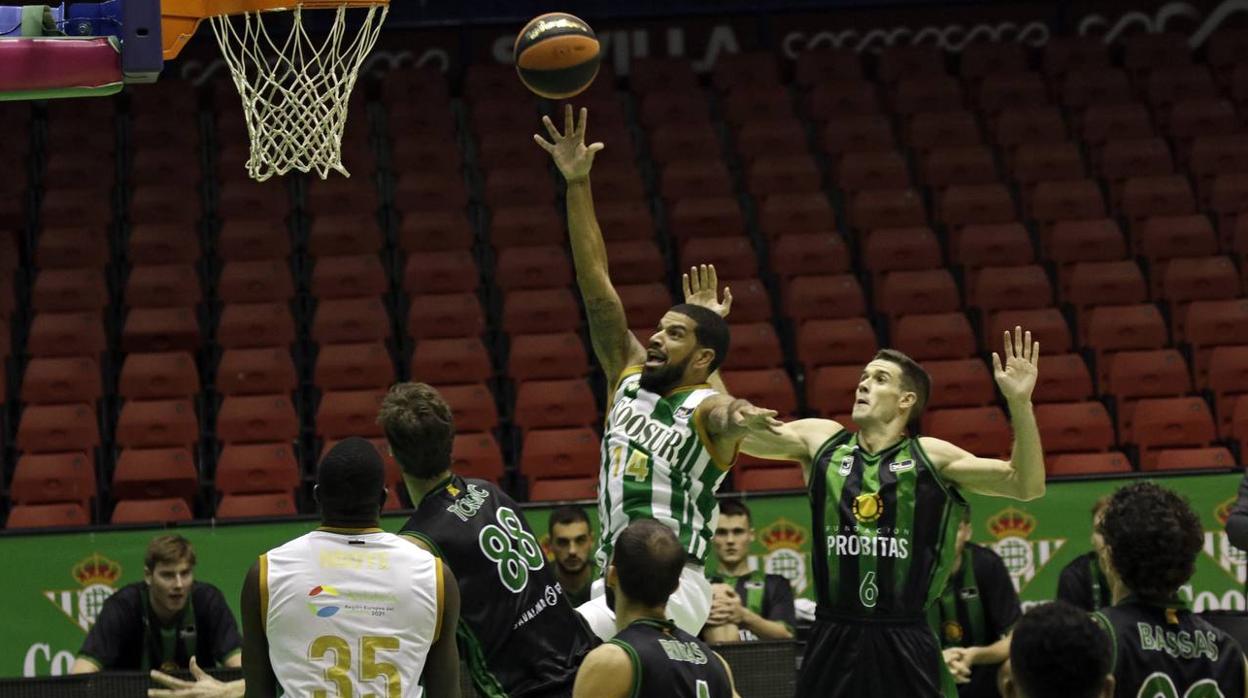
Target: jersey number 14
[513, 549]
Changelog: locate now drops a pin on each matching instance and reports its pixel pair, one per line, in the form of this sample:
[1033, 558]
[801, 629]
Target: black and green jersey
[887, 523]
[768, 595]
[1083, 584]
[1166, 651]
[670, 662]
[519, 635]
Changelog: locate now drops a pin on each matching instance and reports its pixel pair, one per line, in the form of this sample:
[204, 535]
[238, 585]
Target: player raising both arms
[887, 504]
[669, 437]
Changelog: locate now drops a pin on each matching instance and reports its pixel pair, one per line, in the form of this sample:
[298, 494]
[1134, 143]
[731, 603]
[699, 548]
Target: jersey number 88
[513, 549]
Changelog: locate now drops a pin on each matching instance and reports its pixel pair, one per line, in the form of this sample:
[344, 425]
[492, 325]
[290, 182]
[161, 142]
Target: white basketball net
[296, 88]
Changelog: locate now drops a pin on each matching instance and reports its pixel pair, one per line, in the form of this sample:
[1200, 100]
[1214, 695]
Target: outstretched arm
[614, 345]
[1022, 476]
[797, 441]
[701, 285]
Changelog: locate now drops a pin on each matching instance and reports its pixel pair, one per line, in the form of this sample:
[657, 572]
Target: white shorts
[688, 607]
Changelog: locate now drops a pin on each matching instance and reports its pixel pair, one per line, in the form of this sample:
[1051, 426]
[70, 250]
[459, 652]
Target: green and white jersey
[656, 464]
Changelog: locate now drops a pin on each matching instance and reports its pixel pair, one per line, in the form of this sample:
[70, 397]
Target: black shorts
[847, 659]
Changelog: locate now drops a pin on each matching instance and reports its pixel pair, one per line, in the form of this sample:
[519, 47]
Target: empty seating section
[181, 342]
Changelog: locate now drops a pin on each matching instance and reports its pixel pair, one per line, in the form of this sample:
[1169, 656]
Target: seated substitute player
[349, 608]
[1082, 583]
[1057, 651]
[974, 615]
[748, 604]
[670, 437]
[167, 621]
[520, 636]
[571, 544]
[1152, 539]
[1237, 521]
[650, 656]
[886, 505]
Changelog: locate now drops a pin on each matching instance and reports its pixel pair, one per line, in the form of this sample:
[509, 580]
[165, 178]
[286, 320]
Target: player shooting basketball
[888, 503]
[670, 437]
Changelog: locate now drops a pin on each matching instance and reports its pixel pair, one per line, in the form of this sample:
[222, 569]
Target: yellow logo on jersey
[952, 630]
[868, 507]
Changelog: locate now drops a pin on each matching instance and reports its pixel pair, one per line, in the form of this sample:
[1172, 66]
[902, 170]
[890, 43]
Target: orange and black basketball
[557, 55]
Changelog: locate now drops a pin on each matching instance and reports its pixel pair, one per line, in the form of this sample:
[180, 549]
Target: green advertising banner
[55, 584]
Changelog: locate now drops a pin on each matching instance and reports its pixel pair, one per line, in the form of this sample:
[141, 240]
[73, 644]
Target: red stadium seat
[544, 404]
[160, 329]
[1047, 326]
[845, 341]
[518, 225]
[984, 431]
[982, 59]
[254, 325]
[1123, 158]
[1002, 288]
[543, 266]
[1213, 323]
[645, 304]
[940, 336]
[349, 320]
[931, 130]
[151, 511]
[1101, 85]
[159, 375]
[1163, 238]
[992, 245]
[547, 356]
[769, 388]
[354, 276]
[917, 292]
[1161, 423]
[733, 257]
[354, 413]
[241, 506]
[71, 248]
[636, 262]
[257, 468]
[754, 345]
[960, 383]
[163, 286]
[155, 473]
[449, 361]
[629, 219]
[1106, 284]
[66, 334]
[1227, 377]
[1078, 199]
[863, 132]
[769, 479]
[1012, 89]
[157, 424]
[1111, 463]
[976, 204]
[433, 231]
[563, 489]
[1065, 379]
[1172, 459]
[477, 455]
[830, 100]
[472, 406]
[1144, 53]
[518, 186]
[1145, 197]
[354, 367]
[859, 171]
[256, 372]
[1020, 125]
[813, 66]
[1075, 426]
[252, 240]
[58, 428]
[714, 215]
[54, 477]
[673, 145]
[1197, 279]
[830, 389]
[809, 297]
[782, 174]
[1118, 327]
[69, 290]
[440, 271]
[933, 92]
[780, 137]
[1070, 242]
[895, 249]
[540, 311]
[560, 453]
[56, 380]
[1144, 374]
[1046, 162]
[47, 516]
[873, 209]
[445, 316]
[260, 281]
[908, 61]
[343, 234]
[814, 254]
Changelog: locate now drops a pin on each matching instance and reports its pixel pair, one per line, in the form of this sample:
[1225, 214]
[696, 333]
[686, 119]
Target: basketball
[557, 55]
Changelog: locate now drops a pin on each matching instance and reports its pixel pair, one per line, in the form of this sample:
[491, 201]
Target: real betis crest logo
[1232, 560]
[784, 540]
[95, 575]
[1023, 557]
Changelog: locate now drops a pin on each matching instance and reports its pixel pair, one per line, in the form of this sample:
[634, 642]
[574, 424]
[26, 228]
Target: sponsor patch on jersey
[968, 593]
[898, 466]
[683, 413]
[952, 630]
[847, 466]
[868, 507]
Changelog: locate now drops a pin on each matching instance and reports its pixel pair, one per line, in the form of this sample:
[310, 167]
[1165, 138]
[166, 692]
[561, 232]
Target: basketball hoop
[295, 86]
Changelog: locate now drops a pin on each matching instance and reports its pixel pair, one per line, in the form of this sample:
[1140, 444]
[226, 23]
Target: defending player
[349, 608]
[650, 656]
[669, 437]
[1151, 541]
[888, 506]
[520, 636]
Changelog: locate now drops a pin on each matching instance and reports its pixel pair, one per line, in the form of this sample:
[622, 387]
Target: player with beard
[886, 506]
[571, 544]
[670, 437]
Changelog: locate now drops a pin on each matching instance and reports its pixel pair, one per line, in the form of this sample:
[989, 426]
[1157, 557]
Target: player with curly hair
[1151, 541]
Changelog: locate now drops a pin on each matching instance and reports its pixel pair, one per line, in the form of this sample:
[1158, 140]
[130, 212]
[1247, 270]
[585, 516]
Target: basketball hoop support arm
[180, 18]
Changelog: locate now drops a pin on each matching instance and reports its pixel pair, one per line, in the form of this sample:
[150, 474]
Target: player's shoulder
[611, 657]
[129, 596]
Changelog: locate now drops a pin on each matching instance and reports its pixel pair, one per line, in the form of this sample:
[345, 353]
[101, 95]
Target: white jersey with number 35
[350, 612]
